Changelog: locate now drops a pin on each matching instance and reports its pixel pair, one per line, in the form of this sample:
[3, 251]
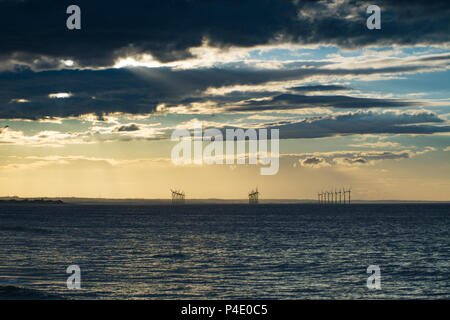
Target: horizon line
[216, 199]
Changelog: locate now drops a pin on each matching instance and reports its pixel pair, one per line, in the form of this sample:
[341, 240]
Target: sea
[225, 251]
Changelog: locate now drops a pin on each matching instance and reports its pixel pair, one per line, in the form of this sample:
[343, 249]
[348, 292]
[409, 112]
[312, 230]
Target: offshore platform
[253, 196]
[178, 197]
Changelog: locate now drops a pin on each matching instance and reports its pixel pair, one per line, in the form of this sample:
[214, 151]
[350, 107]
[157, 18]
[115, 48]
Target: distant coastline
[211, 201]
[16, 200]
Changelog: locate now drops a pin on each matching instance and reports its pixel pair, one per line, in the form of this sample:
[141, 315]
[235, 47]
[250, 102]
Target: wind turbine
[349, 197]
[349, 194]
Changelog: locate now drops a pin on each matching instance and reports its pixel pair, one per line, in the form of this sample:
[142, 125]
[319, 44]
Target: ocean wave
[170, 256]
[11, 292]
[25, 229]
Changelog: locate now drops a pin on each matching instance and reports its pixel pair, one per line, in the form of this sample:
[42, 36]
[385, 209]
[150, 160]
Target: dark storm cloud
[350, 157]
[128, 128]
[292, 101]
[358, 123]
[319, 88]
[436, 58]
[34, 31]
[140, 90]
[357, 161]
[312, 161]
[363, 122]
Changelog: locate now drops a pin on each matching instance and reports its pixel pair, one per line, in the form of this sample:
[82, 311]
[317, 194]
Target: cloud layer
[363, 122]
[71, 93]
[168, 29]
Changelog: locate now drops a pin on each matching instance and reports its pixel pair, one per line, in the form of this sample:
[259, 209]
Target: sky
[90, 112]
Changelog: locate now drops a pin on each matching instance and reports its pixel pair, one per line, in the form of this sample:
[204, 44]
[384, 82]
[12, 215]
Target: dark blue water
[225, 251]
